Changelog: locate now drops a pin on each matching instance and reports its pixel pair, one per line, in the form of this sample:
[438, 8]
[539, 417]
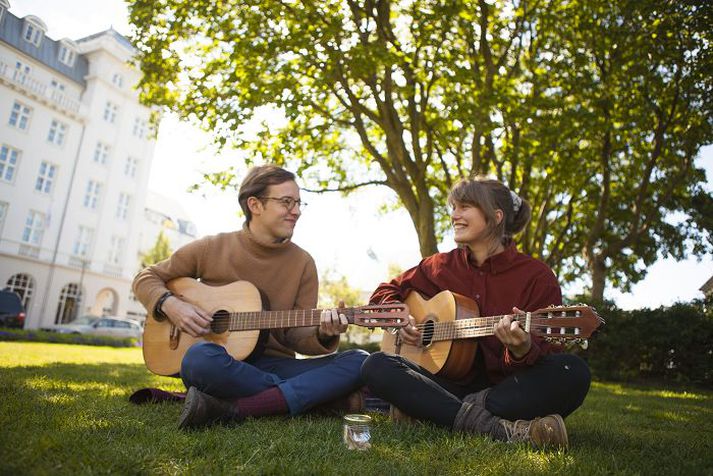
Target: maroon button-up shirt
[506, 280]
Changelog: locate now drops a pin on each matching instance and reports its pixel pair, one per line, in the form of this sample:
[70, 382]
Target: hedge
[673, 344]
[55, 337]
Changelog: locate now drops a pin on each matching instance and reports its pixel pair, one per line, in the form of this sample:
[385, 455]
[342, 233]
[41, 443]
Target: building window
[22, 72]
[57, 90]
[116, 250]
[46, 177]
[101, 153]
[23, 285]
[20, 116]
[83, 243]
[110, 111]
[122, 210]
[69, 302]
[57, 132]
[117, 80]
[67, 55]
[139, 128]
[130, 167]
[9, 158]
[91, 197]
[34, 228]
[33, 30]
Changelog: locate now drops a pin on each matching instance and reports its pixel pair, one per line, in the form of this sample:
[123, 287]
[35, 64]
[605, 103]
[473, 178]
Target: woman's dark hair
[490, 195]
[256, 182]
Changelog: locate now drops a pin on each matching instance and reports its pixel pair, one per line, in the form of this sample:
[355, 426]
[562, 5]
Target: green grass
[65, 410]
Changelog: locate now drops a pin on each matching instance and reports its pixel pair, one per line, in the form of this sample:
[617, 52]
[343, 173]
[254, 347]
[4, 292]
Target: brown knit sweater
[283, 271]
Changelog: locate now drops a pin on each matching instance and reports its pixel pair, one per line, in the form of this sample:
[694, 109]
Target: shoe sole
[560, 421]
[184, 421]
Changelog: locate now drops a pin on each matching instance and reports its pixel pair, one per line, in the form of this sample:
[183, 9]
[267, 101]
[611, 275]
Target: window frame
[6, 165]
[43, 179]
[18, 112]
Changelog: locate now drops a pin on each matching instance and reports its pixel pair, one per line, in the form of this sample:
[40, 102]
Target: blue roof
[47, 53]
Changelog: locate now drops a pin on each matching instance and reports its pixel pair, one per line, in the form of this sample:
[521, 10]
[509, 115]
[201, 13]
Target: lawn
[65, 410]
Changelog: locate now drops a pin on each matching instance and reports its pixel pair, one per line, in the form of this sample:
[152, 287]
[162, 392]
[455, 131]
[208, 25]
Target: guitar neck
[466, 328]
[258, 320]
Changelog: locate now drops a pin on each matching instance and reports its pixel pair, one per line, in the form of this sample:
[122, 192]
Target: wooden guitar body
[452, 359]
[240, 296]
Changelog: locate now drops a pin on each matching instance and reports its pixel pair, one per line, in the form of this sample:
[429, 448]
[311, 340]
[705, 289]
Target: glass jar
[357, 432]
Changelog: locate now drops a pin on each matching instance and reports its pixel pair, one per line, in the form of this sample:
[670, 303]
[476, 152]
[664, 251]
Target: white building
[75, 154]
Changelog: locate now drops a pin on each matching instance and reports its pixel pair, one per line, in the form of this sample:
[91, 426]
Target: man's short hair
[256, 182]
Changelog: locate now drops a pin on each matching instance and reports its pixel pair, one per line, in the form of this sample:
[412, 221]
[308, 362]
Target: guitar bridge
[174, 337]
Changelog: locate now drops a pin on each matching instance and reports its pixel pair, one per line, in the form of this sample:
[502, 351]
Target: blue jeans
[305, 383]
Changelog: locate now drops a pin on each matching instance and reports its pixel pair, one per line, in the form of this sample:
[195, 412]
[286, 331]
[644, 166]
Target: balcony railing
[38, 88]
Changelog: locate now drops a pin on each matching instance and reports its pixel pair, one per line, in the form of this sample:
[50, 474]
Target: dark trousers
[558, 383]
[304, 383]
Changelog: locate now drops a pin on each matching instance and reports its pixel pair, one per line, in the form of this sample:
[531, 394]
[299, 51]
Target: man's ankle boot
[201, 409]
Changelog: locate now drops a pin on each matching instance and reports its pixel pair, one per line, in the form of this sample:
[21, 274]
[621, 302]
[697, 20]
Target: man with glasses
[271, 380]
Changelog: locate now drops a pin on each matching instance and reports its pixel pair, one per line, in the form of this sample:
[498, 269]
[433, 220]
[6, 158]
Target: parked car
[12, 313]
[112, 326]
[80, 325]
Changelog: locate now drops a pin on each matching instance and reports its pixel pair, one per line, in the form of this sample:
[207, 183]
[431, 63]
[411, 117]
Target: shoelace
[518, 430]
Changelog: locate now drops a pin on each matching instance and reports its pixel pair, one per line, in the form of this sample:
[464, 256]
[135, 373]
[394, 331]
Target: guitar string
[297, 318]
[483, 326]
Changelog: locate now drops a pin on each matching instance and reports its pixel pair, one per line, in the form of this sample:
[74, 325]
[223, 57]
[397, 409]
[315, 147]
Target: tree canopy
[160, 251]
[593, 111]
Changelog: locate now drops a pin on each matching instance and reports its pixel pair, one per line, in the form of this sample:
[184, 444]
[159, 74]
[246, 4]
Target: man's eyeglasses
[287, 202]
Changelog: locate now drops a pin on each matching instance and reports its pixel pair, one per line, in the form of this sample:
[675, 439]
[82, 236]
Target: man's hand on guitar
[331, 324]
[410, 334]
[190, 319]
[513, 336]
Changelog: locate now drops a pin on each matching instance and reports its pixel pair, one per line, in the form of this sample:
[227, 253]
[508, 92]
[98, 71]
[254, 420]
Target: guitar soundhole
[221, 321]
[427, 333]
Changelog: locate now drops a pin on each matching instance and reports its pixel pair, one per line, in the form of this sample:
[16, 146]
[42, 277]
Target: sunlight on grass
[672, 416]
[618, 389]
[45, 384]
[679, 395]
[19, 354]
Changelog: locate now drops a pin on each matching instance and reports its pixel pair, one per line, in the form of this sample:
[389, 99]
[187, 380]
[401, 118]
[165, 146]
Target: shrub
[54, 337]
[668, 343]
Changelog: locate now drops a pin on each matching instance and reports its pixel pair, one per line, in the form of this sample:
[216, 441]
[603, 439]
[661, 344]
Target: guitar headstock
[565, 323]
[379, 315]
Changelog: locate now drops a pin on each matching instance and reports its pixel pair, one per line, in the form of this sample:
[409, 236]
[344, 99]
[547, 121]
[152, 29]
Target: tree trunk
[427, 237]
[598, 268]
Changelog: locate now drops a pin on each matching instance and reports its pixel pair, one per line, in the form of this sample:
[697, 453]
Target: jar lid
[357, 418]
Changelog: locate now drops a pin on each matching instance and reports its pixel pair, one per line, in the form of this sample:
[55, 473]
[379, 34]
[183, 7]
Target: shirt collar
[497, 263]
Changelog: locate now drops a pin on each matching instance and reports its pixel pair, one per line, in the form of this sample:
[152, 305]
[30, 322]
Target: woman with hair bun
[520, 386]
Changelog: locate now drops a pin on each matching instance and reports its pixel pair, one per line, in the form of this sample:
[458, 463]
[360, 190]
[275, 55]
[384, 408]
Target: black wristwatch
[158, 313]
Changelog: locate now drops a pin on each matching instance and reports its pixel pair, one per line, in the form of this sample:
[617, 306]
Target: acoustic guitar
[451, 323]
[238, 320]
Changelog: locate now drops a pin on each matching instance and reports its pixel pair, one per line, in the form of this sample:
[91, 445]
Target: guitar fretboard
[246, 321]
[464, 328]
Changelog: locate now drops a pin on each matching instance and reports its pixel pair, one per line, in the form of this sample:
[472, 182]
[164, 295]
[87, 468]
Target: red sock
[267, 402]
